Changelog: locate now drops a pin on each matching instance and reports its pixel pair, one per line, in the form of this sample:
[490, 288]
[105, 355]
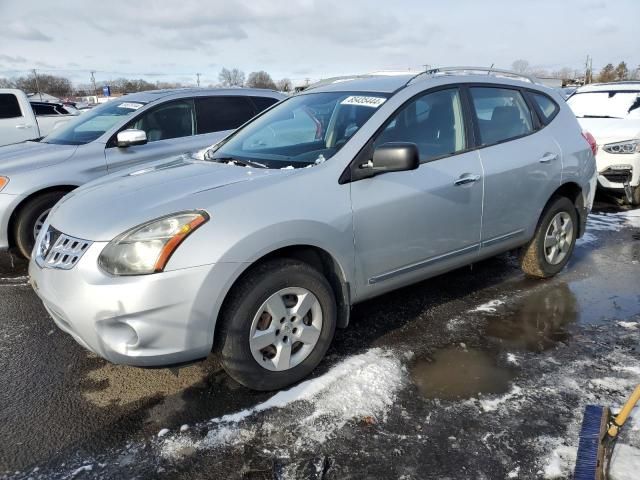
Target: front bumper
[612, 175]
[148, 320]
[8, 203]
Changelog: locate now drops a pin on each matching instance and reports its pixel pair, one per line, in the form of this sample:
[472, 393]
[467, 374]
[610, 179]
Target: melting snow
[493, 404]
[489, 307]
[625, 462]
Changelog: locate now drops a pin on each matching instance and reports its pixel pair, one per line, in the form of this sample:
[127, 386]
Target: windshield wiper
[597, 116]
[235, 161]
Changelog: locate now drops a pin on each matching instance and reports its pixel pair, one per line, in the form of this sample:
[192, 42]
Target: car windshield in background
[303, 130]
[86, 128]
[613, 104]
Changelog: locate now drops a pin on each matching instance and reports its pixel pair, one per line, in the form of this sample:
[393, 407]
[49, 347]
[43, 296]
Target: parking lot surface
[477, 374]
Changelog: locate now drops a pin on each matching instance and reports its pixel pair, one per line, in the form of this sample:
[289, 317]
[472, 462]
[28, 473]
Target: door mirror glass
[128, 138]
[394, 157]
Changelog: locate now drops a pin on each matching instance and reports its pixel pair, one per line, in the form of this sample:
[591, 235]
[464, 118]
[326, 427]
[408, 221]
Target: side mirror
[128, 138]
[393, 157]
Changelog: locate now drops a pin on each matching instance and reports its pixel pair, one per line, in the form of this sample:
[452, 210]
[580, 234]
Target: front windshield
[91, 125]
[304, 130]
[613, 104]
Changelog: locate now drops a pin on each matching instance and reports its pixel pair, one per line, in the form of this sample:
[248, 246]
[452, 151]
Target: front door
[413, 224]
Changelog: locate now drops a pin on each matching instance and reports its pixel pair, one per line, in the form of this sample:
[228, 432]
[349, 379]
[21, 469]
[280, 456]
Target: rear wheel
[551, 247]
[31, 218]
[277, 325]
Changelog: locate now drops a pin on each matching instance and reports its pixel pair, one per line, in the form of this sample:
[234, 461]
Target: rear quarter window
[547, 108]
[9, 106]
[262, 103]
[216, 114]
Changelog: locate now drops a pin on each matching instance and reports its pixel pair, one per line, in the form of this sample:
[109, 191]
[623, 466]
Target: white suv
[611, 112]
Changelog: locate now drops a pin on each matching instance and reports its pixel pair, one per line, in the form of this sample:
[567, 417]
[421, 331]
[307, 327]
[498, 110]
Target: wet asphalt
[62, 407]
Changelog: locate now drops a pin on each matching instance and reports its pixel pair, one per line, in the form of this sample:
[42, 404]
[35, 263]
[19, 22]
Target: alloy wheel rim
[40, 223]
[558, 238]
[285, 329]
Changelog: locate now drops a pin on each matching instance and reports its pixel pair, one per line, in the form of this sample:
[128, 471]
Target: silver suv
[331, 197]
[127, 131]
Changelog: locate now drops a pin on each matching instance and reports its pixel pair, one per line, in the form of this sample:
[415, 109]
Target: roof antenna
[490, 68]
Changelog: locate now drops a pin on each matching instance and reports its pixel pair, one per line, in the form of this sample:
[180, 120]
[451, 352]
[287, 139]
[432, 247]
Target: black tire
[533, 260]
[244, 302]
[27, 217]
[635, 196]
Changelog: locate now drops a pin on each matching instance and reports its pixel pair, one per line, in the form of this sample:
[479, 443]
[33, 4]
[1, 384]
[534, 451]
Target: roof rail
[332, 80]
[472, 70]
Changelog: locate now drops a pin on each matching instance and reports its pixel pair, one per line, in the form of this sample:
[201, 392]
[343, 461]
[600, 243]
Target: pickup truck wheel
[277, 325]
[31, 219]
[551, 247]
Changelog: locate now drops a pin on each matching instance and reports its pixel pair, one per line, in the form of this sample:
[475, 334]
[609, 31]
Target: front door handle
[548, 157]
[22, 126]
[466, 179]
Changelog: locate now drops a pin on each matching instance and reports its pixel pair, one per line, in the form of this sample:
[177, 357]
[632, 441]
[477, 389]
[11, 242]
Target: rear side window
[40, 109]
[501, 114]
[216, 114]
[262, 103]
[548, 108]
[9, 106]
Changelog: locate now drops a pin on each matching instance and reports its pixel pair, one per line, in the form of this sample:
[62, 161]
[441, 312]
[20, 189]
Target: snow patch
[79, 470]
[605, 222]
[514, 473]
[512, 359]
[163, 432]
[493, 404]
[586, 239]
[629, 325]
[489, 307]
[625, 462]
[632, 217]
[560, 462]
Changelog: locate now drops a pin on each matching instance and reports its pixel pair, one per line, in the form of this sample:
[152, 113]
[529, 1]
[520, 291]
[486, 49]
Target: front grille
[57, 250]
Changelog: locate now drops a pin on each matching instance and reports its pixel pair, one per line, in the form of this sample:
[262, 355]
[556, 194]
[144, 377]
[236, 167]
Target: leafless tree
[260, 79]
[231, 78]
[284, 85]
[520, 66]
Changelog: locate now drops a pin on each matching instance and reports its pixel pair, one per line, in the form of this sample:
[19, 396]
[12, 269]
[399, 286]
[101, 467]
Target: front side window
[434, 122]
[170, 120]
[217, 114]
[300, 131]
[93, 124]
[613, 104]
[501, 114]
[9, 106]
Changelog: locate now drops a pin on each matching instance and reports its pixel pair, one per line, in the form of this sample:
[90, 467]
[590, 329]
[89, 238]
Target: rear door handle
[466, 179]
[22, 126]
[548, 157]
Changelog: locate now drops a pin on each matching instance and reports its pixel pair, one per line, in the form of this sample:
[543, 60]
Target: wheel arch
[573, 192]
[11, 235]
[318, 258]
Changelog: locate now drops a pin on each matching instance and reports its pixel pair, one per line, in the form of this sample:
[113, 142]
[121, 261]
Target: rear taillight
[591, 141]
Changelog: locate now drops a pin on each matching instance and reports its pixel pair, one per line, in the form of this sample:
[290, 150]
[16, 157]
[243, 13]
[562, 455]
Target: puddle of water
[538, 322]
[456, 373]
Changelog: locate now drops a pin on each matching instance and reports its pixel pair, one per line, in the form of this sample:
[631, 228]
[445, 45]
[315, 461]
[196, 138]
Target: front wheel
[635, 196]
[277, 324]
[31, 218]
[550, 248]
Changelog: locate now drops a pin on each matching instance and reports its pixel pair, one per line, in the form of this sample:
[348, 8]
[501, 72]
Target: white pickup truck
[19, 121]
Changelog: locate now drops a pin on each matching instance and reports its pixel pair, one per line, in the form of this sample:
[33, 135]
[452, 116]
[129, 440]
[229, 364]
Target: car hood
[31, 155]
[608, 130]
[102, 209]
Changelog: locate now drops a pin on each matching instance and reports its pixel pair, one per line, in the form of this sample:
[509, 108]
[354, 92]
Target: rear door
[170, 129]
[409, 225]
[522, 164]
[17, 122]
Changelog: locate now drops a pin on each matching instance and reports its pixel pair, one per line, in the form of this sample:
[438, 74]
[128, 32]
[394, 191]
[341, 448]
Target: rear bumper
[149, 320]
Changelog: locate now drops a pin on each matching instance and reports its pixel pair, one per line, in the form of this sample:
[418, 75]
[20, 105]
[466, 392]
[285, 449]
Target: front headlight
[3, 182]
[628, 146]
[147, 248]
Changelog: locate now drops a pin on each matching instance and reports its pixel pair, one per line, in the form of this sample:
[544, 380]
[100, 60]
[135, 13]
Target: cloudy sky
[173, 40]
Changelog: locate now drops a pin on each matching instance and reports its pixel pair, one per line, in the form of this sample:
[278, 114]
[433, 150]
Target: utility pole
[588, 70]
[198, 75]
[93, 80]
[427, 66]
[37, 85]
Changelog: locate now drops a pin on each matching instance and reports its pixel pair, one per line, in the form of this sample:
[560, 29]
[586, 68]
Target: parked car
[611, 112]
[132, 130]
[22, 120]
[333, 196]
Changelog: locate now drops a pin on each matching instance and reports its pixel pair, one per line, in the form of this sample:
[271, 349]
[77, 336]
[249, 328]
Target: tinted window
[40, 109]
[262, 103]
[216, 114]
[9, 106]
[501, 114]
[434, 122]
[548, 107]
[171, 120]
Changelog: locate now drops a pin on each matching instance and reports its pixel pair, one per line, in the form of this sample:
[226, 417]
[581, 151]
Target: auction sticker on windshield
[364, 101]
[130, 105]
